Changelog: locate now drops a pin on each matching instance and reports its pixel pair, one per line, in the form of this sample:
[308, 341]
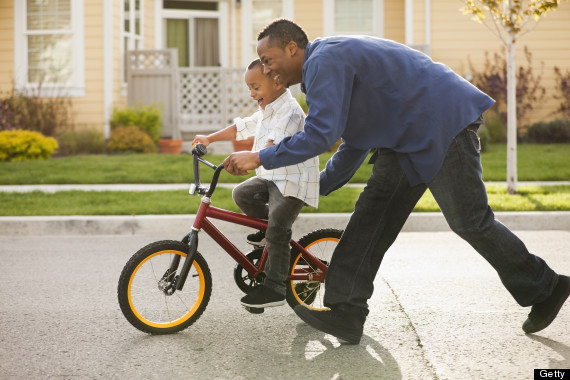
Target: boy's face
[261, 87]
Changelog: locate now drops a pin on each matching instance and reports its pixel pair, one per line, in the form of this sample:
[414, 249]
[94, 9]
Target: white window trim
[132, 38]
[48, 90]
[221, 14]
[247, 27]
[377, 19]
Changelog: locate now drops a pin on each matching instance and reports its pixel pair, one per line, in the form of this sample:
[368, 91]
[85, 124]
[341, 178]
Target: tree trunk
[511, 117]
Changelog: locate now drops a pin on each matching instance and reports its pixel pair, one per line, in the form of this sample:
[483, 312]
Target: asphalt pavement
[438, 311]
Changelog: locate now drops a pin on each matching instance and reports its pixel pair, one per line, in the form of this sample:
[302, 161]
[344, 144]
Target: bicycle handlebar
[197, 152]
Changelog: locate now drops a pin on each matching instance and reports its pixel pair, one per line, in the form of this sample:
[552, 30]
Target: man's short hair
[254, 63]
[282, 31]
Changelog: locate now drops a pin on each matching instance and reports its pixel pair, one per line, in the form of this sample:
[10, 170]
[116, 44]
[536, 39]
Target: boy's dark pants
[261, 198]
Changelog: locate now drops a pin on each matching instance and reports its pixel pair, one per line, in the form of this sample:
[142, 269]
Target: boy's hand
[201, 139]
[241, 163]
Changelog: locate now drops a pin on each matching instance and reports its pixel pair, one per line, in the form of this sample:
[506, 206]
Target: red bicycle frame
[203, 223]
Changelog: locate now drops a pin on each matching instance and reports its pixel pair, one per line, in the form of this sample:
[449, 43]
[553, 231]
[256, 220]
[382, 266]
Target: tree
[509, 20]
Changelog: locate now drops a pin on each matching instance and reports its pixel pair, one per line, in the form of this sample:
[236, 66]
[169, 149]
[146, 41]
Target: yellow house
[77, 48]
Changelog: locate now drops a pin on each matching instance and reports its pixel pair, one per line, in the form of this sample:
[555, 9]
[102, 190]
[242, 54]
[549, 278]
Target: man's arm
[340, 168]
[329, 90]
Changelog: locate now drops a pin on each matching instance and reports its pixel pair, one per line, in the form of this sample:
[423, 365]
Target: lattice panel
[150, 59]
[238, 101]
[210, 98]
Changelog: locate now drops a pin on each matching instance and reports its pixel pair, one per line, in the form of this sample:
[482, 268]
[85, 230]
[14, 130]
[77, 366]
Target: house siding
[6, 46]
[456, 39]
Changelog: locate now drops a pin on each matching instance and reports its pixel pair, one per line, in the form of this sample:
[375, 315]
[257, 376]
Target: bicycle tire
[321, 244]
[146, 305]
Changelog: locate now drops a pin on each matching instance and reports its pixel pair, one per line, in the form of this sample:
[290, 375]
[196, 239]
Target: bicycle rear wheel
[310, 293]
[146, 292]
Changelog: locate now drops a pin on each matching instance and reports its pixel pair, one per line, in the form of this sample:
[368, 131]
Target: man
[422, 119]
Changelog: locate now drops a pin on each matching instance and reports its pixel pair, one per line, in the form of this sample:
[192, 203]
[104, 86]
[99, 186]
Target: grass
[530, 198]
[535, 163]
[547, 162]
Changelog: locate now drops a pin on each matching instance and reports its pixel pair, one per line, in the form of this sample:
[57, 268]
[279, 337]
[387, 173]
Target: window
[193, 28]
[353, 17]
[256, 14]
[132, 31]
[49, 47]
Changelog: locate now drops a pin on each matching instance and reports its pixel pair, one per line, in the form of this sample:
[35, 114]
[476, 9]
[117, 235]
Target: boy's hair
[254, 63]
[283, 31]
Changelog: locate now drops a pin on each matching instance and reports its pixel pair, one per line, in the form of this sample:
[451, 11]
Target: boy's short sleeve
[246, 127]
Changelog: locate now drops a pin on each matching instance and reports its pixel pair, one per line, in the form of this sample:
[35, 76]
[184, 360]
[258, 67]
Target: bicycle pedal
[254, 310]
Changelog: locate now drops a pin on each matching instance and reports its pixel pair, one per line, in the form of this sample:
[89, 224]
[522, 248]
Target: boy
[277, 195]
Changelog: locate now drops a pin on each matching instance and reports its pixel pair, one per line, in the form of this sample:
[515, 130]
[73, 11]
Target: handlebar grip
[199, 150]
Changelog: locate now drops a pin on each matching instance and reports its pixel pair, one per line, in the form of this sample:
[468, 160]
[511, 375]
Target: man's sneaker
[542, 314]
[257, 238]
[261, 296]
[345, 322]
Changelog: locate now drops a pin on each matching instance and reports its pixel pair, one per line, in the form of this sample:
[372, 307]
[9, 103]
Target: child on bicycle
[277, 195]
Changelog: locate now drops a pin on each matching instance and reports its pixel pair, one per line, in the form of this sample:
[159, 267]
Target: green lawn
[530, 198]
[535, 163]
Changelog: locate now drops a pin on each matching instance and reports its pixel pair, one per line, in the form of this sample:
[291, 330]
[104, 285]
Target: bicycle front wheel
[146, 292]
[310, 293]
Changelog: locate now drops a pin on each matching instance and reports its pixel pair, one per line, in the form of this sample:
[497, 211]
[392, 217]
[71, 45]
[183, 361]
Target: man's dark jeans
[388, 199]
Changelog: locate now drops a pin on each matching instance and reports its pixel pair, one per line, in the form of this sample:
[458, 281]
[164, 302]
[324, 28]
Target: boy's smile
[262, 88]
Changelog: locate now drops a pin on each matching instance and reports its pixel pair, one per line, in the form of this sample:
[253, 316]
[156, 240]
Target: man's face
[278, 63]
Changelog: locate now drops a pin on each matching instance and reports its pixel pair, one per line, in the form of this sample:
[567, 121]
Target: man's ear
[291, 48]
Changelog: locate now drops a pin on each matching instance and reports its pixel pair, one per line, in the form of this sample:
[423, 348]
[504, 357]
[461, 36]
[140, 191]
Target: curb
[181, 224]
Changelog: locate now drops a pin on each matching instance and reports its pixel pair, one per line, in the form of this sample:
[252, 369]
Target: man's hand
[241, 163]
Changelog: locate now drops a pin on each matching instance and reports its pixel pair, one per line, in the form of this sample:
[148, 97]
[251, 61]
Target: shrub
[563, 88]
[130, 140]
[84, 141]
[493, 81]
[44, 115]
[20, 145]
[146, 118]
[557, 131]
[301, 99]
[495, 127]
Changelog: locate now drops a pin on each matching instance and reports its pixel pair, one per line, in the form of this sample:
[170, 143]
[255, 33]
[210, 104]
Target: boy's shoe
[542, 314]
[345, 322]
[261, 296]
[257, 238]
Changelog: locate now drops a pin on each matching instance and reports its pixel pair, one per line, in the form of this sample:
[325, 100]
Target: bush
[20, 145]
[563, 88]
[130, 140]
[493, 81]
[44, 115]
[146, 118]
[84, 141]
[496, 129]
[557, 131]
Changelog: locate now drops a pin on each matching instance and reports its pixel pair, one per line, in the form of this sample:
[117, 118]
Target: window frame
[221, 15]
[247, 27]
[21, 66]
[377, 19]
[131, 36]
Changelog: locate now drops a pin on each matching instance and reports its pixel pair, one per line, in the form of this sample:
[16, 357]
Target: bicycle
[157, 295]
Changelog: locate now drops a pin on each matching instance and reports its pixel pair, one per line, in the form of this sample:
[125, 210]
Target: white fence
[194, 100]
